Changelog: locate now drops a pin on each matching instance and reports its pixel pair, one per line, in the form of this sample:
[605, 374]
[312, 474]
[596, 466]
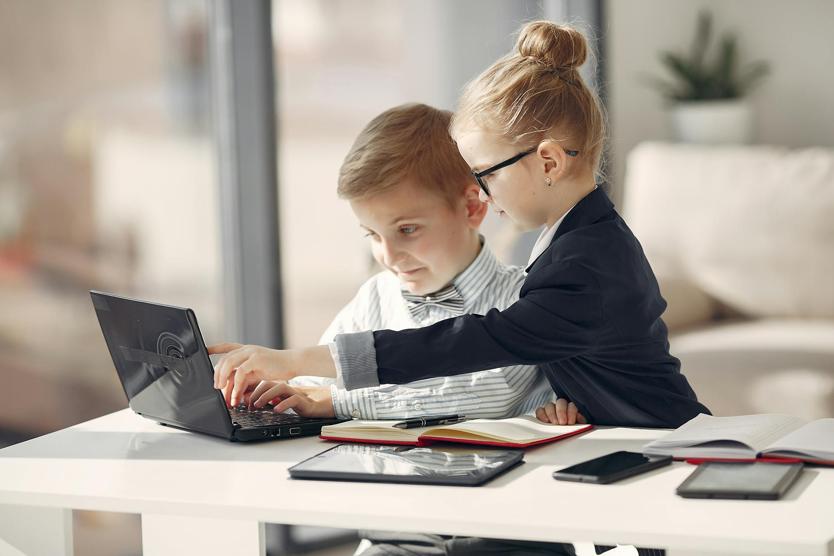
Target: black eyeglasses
[512, 160]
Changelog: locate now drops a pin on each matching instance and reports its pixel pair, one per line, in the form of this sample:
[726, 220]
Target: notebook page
[754, 431]
[370, 429]
[816, 439]
[366, 424]
[517, 429]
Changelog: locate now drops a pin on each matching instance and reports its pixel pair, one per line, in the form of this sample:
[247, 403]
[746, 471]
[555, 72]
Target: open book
[749, 437]
[517, 432]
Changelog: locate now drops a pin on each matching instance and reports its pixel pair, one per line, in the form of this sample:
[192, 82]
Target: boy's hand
[243, 367]
[560, 412]
[307, 401]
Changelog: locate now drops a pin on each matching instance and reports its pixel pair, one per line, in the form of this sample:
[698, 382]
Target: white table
[203, 495]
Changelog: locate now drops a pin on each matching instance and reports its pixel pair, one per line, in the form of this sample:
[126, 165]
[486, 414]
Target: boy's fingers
[262, 387]
[296, 402]
[581, 419]
[248, 397]
[572, 411]
[279, 391]
[541, 415]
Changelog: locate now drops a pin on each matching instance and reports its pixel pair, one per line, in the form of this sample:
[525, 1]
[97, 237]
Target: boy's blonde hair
[410, 141]
[536, 92]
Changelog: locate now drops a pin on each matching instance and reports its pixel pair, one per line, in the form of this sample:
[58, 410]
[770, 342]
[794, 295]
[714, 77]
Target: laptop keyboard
[264, 417]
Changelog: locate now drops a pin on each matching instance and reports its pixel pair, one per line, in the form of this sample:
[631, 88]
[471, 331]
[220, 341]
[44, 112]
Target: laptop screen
[162, 363]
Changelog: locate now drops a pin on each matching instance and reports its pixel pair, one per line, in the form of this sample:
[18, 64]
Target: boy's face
[420, 236]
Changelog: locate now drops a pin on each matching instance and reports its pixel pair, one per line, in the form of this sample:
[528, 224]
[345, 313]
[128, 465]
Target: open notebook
[517, 432]
[748, 437]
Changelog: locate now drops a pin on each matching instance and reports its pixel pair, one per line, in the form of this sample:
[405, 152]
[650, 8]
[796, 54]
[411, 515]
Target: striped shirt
[504, 392]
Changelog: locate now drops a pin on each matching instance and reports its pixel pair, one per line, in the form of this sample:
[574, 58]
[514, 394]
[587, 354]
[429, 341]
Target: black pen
[430, 421]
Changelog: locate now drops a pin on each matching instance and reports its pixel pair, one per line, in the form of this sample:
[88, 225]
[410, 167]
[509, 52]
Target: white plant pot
[713, 121]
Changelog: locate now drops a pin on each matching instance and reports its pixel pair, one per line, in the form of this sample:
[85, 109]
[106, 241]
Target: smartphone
[611, 467]
[740, 481]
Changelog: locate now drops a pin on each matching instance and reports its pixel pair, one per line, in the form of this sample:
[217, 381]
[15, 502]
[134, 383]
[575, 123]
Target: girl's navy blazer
[588, 315]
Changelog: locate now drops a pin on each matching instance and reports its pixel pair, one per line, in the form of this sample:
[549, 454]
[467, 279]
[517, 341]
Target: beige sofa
[741, 239]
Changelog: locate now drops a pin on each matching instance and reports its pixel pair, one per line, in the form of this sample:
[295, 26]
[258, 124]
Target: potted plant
[707, 96]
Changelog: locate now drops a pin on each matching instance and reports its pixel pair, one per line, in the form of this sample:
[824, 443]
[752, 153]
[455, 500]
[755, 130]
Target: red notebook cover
[760, 459]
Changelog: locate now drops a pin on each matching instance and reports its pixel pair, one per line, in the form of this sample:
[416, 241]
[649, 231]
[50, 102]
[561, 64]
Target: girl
[590, 309]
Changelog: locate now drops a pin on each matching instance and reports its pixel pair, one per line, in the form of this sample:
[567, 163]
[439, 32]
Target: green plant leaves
[703, 32]
[751, 76]
[723, 84]
[694, 77]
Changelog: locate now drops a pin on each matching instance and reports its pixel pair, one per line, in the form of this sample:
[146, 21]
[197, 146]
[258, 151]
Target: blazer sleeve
[557, 316]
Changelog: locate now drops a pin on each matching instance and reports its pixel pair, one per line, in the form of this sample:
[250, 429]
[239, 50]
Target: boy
[415, 200]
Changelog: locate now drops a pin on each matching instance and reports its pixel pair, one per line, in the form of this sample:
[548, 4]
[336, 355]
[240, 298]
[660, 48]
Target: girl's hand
[307, 401]
[243, 367]
[560, 412]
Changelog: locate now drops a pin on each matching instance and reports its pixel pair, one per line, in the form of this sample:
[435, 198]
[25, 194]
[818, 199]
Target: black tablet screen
[450, 465]
[740, 480]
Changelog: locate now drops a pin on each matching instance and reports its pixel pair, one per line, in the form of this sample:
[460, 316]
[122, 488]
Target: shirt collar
[472, 281]
[546, 237]
[477, 276]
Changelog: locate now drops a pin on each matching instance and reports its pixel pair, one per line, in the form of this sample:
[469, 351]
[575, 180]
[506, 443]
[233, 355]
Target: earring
[547, 182]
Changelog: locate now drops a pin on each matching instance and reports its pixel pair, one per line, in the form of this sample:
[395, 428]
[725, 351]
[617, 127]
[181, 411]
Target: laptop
[167, 376]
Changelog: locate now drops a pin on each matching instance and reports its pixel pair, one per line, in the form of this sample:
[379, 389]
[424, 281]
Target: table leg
[35, 531]
[174, 534]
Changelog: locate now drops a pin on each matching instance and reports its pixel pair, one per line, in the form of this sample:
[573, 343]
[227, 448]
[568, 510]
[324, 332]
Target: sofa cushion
[761, 366]
[751, 226]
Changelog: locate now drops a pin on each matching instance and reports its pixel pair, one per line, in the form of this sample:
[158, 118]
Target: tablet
[408, 464]
[754, 481]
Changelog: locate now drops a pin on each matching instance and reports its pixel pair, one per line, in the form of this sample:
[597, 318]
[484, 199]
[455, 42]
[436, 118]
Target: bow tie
[448, 298]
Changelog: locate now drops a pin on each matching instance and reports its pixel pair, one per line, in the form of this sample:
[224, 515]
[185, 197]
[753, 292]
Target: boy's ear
[475, 208]
[554, 158]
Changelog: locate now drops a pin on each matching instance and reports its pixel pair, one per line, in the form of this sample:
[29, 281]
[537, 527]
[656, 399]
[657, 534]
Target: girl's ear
[554, 159]
[475, 208]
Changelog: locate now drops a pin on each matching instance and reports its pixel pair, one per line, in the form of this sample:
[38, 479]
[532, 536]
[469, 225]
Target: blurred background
[131, 149]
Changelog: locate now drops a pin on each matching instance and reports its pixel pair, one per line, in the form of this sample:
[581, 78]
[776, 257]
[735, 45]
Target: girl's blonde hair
[536, 92]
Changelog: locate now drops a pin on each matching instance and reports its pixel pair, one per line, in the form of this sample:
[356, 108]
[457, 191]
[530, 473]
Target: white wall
[794, 106]
[337, 70]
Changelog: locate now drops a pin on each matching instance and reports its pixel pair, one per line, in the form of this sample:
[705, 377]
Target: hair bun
[554, 46]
